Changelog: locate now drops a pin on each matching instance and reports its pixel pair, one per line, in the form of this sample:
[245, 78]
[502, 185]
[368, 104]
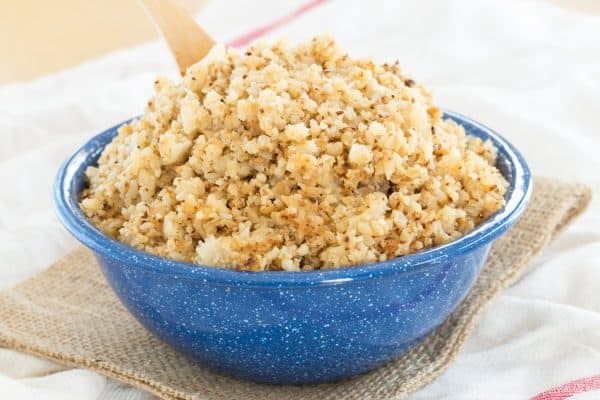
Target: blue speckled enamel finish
[293, 327]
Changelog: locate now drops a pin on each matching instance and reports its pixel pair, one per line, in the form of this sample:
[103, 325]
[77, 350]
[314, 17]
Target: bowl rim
[69, 213]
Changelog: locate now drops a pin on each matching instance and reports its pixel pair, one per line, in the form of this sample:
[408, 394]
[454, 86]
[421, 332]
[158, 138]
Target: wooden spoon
[188, 42]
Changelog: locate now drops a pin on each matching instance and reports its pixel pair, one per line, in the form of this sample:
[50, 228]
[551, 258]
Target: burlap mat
[68, 314]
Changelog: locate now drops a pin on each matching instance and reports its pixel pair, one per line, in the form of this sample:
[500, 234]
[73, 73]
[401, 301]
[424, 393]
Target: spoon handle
[188, 42]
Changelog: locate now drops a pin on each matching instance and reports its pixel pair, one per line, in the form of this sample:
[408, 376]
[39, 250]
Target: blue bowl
[294, 327]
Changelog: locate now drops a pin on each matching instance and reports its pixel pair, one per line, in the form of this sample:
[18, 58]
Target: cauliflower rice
[291, 159]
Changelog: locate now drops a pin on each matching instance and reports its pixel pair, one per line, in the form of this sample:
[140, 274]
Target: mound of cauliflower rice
[291, 158]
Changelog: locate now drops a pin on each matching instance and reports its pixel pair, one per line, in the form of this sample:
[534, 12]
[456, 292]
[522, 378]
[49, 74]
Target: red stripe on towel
[570, 389]
[253, 35]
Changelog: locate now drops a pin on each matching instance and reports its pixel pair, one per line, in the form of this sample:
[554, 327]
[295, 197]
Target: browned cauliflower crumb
[291, 159]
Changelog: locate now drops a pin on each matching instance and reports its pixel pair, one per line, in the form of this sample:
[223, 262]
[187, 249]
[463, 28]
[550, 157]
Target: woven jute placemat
[69, 315]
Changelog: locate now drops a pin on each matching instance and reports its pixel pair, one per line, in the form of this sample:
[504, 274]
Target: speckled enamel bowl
[293, 327]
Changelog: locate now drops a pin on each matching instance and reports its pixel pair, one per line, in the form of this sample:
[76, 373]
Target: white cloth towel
[528, 69]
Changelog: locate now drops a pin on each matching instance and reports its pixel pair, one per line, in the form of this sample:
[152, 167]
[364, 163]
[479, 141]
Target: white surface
[528, 69]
